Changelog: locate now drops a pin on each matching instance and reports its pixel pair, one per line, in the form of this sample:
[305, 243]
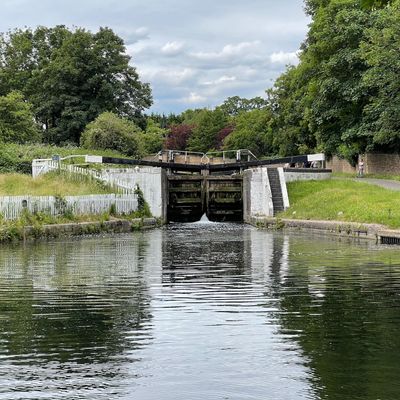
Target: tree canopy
[342, 98]
[110, 132]
[71, 77]
[17, 124]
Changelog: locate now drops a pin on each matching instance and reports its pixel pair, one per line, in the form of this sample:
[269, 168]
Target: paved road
[385, 183]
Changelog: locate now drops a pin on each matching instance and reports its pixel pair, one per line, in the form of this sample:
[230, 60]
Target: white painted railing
[40, 167]
[12, 207]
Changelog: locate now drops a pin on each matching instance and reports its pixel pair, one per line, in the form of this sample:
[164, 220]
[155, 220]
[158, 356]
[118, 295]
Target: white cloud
[229, 51]
[200, 54]
[194, 98]
[170, 76]
[285, 58]
[221, 80]
[172, 48]
[133, 36]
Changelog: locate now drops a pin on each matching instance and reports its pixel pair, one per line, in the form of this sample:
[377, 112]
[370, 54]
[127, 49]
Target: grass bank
[18, 158]
[51, 184]
[42, 225]
[343, 200]
[372, 176]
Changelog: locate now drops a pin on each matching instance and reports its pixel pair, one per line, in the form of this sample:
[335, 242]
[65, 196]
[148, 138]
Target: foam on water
[204, 220]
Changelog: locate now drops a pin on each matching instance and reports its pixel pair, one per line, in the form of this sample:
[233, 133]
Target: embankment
[36, 232]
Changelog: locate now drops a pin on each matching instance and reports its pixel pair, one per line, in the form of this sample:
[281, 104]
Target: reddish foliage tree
[178, 136]
[222, 134]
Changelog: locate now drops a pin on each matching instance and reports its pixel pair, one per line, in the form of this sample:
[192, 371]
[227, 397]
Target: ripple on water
[199, 311]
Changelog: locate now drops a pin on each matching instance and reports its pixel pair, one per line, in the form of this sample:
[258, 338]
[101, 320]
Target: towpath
[385, 183]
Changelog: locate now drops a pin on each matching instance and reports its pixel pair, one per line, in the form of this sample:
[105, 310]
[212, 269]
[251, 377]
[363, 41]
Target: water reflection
[199, 311]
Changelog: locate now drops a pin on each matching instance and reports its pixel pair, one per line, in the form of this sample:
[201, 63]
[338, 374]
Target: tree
[375, 3]
[235, 105]
[110, 132]
[205, 133]
[320, 103]
[178, 137]
[381, 120]
[16, 120]
[252, 131]
[153, 138]
[339, 95]
[71, 77]
[290, 102]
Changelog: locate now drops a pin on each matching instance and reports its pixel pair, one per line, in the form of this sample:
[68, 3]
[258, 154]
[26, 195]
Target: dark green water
[200, 311]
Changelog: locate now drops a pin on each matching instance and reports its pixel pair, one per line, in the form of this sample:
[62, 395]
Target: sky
[194, 53]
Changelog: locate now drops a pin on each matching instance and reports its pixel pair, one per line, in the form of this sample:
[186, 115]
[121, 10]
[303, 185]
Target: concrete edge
[337, 228]
[285, 195]
[114, 226]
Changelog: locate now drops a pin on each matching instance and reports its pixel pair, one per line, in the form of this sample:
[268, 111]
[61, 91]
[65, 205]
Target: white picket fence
[40, 167]
[11, 207]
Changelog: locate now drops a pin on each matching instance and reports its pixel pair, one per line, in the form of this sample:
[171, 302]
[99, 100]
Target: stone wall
[373, 164]
[306, 174]
[337, 164]
[382, 164]
[150, 181]
[257, 197]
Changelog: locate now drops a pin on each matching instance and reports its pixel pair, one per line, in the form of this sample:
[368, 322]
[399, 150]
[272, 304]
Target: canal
[200, 311]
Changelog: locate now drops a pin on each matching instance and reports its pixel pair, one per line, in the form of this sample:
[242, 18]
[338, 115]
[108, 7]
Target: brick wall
[336, 164]
[373, 164]
[382, 164]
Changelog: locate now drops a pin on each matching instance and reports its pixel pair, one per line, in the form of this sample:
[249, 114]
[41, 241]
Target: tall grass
[343, 200]
[18, 158]
[51, 184]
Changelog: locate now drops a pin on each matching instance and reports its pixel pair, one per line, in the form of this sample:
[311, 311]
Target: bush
[16, 120]
[108, 131]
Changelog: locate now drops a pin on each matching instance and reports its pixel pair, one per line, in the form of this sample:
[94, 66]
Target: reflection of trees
[345, 313]
[74, 300]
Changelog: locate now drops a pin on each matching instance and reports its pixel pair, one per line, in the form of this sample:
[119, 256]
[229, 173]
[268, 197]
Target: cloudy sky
[194, 53]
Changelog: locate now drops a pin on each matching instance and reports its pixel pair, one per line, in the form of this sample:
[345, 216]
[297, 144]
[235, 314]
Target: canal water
[200, 311]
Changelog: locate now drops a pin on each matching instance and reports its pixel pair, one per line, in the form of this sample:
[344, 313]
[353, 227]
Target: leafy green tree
[290, 103]
[205, 133]
[235, 105]
[375, 3]
[320, 103]
[153, 138]
[252, 131]
[339, 95]
[193, 116]
[71, 77]
[16, 120]
[109, 131]
[165, 121]
[380, 49]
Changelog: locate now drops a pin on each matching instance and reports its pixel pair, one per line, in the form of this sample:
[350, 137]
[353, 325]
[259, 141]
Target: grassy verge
[343, 200]
[373, 176]
[51, 184]
[18, 158]
[14, 230]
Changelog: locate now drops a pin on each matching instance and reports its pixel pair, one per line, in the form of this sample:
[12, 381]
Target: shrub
[108, 131]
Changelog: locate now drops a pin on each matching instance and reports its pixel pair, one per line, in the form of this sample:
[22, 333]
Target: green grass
[343, 200]
[51, 184]
[18, 158]
[372, 176]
